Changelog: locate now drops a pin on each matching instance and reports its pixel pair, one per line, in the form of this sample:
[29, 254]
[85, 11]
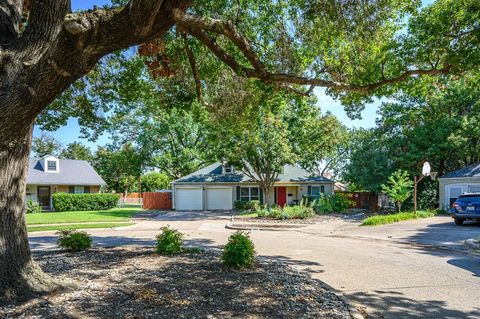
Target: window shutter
[322, 189]
[86, 189]
[260, 196]
[309, 190]
[238, 192]
[71, 189]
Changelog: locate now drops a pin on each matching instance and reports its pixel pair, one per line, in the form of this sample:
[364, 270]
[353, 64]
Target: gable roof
[213, 174]
[467, 171]
[71, 172]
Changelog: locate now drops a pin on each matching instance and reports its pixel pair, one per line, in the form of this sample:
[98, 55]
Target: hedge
[63, 202]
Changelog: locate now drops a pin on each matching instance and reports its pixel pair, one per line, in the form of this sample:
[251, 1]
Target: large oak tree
[353, 48]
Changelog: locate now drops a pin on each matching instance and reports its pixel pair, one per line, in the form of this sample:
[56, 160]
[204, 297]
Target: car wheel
[459, 221]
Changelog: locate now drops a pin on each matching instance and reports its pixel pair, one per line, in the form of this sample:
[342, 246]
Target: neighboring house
[453, 184]
[219, 186]
[48, 175]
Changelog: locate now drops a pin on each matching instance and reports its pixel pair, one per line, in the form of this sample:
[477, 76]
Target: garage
[219, 198]
[453, 184]
[188, 198]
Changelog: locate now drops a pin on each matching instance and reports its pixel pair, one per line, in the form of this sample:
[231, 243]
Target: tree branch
[102, 31]
[46, 19]
[193, 66]
[197, 26]
[10, 17]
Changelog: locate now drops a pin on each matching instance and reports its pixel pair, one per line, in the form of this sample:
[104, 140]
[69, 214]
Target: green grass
[111, 215]
[394, 218]
[76, 226]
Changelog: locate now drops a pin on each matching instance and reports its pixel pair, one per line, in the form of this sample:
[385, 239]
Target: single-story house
[455, 183]
[48, 175]
[218, 186]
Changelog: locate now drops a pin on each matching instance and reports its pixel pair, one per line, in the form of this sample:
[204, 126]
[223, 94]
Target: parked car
[467, 206]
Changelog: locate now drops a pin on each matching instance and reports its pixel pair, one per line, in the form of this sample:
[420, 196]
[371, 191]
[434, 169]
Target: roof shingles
[71, 172]
[468, 171]
[213, 174]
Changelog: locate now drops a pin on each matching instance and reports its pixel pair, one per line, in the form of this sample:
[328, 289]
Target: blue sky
[71, 132]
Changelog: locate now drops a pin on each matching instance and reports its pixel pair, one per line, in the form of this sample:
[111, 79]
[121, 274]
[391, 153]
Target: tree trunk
[266, 195]
[20, 277]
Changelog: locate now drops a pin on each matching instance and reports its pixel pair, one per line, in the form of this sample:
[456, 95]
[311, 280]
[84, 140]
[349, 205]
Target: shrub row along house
[218, 186]
[49, 175]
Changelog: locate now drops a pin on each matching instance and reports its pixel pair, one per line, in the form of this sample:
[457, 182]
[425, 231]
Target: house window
[86, 189]
[316, 190]
[228, 169]
[52, 166]
[76, 189]
[249, 193]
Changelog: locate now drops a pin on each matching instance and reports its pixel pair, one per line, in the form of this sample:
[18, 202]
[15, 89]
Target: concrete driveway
[395, 271]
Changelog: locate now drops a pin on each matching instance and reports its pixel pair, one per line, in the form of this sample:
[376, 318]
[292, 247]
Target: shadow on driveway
[446, 233]
[393, 305]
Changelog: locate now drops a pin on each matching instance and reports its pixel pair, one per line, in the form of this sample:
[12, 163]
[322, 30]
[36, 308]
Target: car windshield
[469, 198]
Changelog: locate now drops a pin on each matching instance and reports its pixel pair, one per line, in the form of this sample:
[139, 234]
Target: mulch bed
[313, 220]
[134, 283]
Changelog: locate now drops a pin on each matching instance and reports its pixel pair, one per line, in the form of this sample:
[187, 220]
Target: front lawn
[111, 215]
[394, 218]
[75, 226]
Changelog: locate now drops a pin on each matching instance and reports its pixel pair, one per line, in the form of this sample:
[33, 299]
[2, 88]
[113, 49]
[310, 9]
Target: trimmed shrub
[73, 240]
[335, 203]
[339, 202]
[63, 202]
[288, 212]
[33, 207]
[239, 252]
[251, 205]
[169, 242]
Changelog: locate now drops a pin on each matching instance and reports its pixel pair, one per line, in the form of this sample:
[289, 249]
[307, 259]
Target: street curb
[263, 227]
[472, 244]
[354, 313]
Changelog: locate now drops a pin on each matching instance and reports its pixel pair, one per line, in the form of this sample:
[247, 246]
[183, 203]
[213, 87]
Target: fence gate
[157, 200]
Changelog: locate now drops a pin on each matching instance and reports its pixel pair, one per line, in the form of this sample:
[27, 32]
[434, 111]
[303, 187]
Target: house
[455, 183]
[218, 186]
[48, 175]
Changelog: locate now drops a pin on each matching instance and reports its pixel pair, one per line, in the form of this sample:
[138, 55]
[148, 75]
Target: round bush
[169, 242]
[33, 207]
[239, 252]
[74, 241]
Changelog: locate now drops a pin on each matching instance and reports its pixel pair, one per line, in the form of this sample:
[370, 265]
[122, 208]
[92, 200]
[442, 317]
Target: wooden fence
[157, 200]
[364, 200]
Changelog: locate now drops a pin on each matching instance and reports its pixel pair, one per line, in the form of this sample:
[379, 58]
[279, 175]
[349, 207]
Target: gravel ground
[134, 283]
[313, 220]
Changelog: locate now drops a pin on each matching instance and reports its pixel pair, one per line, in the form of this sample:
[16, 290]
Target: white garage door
[188, 198]
[219, 198]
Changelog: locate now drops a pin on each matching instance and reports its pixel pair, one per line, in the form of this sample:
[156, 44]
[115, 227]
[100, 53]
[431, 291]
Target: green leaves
[399, 187]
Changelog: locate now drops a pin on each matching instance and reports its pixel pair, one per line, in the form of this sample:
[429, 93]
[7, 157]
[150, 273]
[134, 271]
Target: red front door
[281, 196]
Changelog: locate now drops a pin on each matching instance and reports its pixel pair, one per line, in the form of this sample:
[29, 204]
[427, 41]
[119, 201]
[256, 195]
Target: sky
[71, 132]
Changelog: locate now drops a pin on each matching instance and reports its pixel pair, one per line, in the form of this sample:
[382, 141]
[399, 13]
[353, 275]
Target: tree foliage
[120, 168]
[46, 144]
[154, 181]
[77, 151]
[399, 187]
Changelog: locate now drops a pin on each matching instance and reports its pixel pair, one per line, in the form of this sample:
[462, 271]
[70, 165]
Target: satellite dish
[426, 169]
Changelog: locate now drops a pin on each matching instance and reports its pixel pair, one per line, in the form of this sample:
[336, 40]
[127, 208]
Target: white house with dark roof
[455, 183]
[218, 186]
[49, 175]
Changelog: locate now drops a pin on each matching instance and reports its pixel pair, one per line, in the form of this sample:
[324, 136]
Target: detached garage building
[217, 187]
[453, 184]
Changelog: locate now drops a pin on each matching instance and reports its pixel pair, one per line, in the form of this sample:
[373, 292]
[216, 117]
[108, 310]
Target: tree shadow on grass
[393, 305]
